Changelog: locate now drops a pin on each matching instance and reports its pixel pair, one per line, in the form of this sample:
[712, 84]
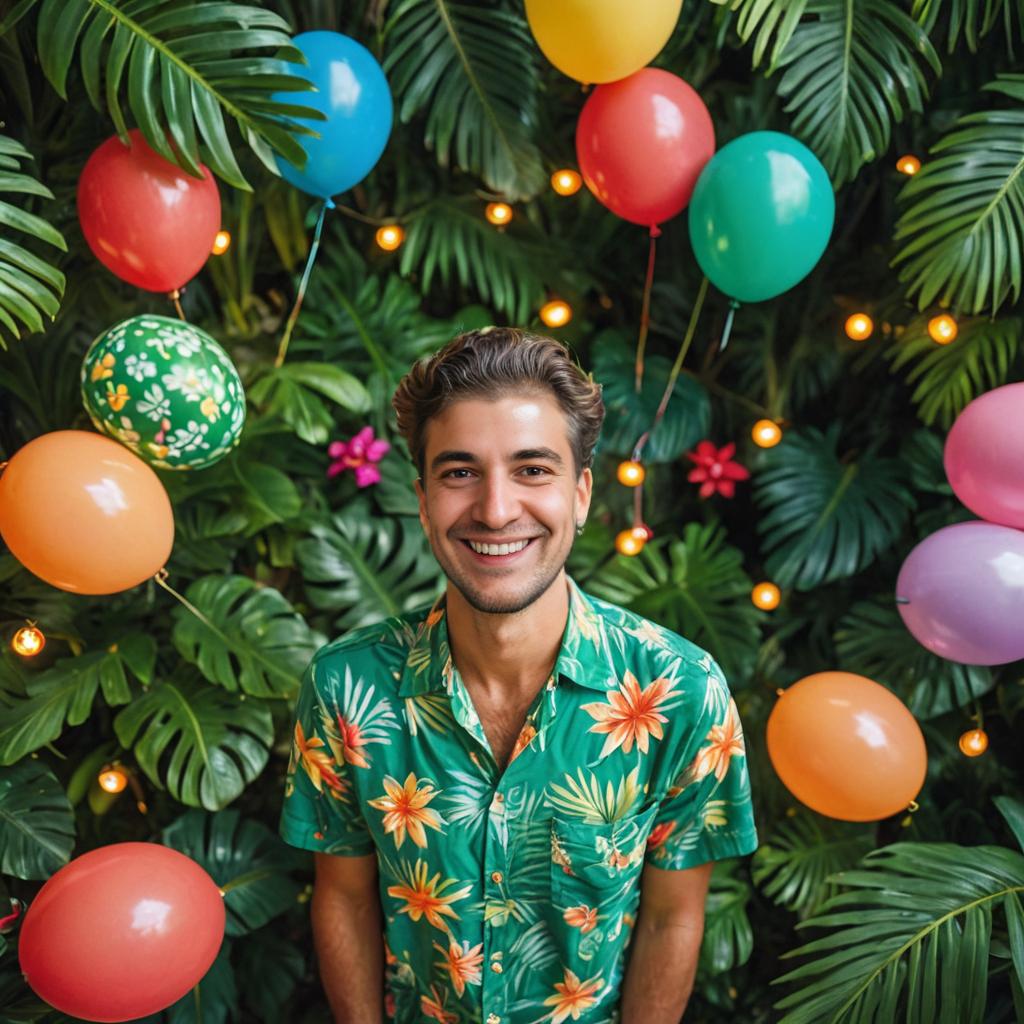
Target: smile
[498, 552]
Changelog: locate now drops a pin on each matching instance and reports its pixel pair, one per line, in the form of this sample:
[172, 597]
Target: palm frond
[770, 22]
[183, 65]
[728, 935]
[973, 18]
[962, 223]
[473, 71]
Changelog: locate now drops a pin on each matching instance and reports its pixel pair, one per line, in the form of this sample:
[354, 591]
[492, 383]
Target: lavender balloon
[984, 456]
[961, 593]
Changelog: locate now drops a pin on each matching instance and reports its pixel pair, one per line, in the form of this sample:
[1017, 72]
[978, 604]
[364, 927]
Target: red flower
[360, 454]
[715, 470]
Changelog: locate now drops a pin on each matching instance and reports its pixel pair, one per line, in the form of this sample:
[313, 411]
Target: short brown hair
[492, 363]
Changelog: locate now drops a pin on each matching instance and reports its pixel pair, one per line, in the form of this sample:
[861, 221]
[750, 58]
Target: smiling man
[522, 788]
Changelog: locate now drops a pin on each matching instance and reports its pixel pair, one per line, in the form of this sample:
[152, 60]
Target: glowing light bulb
[498, 213]
[642, 532]
[908, 164]
[28, 641]
[390, 237]
[766, 596]
[859, 327]
[112, 780]
[766, 433]
[974, 742]
[628, 543]
[221, 243]
[556, 313]
[630, 473]
[566, 182]
[942, 329]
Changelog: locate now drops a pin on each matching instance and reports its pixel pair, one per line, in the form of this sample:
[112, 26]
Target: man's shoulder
[386, 642]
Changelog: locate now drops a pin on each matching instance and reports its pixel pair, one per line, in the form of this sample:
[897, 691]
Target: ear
[584, 492]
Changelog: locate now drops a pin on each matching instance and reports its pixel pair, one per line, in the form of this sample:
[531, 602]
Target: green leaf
[37, 825]
[825, 518]
[252, 639]
[473, 71]
[200, 743]
[1013, 811]
[728, 936]
[974, 18]
[772, 22]
[247, 861]
[687, 418]
[270, 965]
[214, 1000]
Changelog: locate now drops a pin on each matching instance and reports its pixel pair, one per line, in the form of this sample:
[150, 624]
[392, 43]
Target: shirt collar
[584, 657]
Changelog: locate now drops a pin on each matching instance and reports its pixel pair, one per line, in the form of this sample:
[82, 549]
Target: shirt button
[496, 967]
[497, 877]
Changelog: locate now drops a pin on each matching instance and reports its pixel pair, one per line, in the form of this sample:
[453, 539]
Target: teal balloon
[761, 215]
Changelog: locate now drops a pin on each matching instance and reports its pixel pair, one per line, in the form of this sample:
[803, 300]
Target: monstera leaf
[247, 861]
[200, 743]
[249, 637]
[270, 965]
[823, 517]
[695, 586]
[213, 1001]
[37, 825]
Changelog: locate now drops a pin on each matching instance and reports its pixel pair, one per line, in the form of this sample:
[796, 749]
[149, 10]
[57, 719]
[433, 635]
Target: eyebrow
[523, 455]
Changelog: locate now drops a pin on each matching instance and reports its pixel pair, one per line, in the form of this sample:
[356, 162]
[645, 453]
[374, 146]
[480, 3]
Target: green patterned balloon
[166, 390]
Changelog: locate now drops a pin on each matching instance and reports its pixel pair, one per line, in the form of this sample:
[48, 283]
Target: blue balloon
[354, 95]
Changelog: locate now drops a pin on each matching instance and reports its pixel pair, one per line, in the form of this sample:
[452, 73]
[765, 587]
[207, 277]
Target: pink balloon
[121, 932]
[984, 456]
[961, 593]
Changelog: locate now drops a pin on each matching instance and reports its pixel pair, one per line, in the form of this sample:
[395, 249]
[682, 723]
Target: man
[518, 782]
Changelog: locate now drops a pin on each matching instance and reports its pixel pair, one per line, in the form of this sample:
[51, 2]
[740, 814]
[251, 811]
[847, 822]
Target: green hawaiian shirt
[509, 895]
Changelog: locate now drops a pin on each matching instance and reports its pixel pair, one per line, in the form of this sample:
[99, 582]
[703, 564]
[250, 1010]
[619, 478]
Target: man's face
[501, 472]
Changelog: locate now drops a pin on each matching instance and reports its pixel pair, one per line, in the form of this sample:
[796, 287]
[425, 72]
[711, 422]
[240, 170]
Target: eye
[451, 471]
[540, 470]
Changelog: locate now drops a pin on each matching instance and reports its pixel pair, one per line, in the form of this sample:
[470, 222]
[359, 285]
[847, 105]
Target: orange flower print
[433, 1007]
[317, 764]
[462, 962]
[524, 740]
[659, 834]
[104, 369]
[405, 809]
[352, 740]
[435, 616]
[208, 407]
[572, 997]
[724, 742]
[582, 917]
[425, 898]
[631, 715]
[118, 399]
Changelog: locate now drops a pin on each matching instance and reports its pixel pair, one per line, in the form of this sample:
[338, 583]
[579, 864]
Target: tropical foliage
[917, 918]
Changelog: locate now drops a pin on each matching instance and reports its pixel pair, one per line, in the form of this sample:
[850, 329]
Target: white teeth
[498, 549]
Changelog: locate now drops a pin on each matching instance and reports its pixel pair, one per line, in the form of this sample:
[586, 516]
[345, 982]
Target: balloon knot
[655, 231]
[733, 304]
[329, 203]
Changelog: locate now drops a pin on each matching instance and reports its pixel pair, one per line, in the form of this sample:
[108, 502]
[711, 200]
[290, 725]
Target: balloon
[84, 514]
[641, 143]
[846, 747]
[166, 390]
[761, 215]
[354, 94]
[601, 40]
[961, 593]
[121, 932]
[984, 456]
[145, 219]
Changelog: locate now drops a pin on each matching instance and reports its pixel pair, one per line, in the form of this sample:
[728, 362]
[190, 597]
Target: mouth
[505, 559]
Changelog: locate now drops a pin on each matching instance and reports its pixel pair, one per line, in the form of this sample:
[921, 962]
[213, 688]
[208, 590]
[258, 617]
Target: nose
[497, 503]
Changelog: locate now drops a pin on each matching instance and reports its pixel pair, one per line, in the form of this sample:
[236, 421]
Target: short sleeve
[321, 811]
[706, 813]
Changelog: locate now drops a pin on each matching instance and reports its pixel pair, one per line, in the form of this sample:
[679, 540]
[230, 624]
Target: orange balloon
[847, 747]
[83, 513]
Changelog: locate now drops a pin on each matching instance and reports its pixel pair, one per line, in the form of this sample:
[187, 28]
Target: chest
[502, 721]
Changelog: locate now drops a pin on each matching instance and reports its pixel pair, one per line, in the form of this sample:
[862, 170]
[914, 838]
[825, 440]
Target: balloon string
[282, 350]
[175, 297]
[161, 579]
[727, 329]
[645, 310]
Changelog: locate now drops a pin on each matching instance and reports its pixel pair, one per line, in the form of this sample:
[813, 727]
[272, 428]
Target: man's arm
[348, 937]
[665, 946]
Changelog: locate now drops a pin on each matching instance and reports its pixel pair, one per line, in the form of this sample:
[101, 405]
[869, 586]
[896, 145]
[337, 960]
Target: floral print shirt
[509, 894]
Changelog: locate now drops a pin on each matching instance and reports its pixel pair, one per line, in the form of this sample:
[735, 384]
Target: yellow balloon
[598, 41]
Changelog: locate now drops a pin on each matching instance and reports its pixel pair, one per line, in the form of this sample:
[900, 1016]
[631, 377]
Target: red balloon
[121, 932]
[642, 142]
[147, 220]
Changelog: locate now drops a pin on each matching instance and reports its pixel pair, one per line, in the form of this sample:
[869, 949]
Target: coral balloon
[846, 747]
[961, 593]
[984, 456]
[145, 219]
[121, 932]
[84, 513]
[641, 144]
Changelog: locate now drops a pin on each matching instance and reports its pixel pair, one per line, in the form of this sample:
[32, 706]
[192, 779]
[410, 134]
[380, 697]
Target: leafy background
[916, 918]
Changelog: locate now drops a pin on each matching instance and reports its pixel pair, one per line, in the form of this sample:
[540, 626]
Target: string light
[642, 532]
[566, 182]
[390, 237]
[556, 313]
[942, 329]
[28, 641]
[498, 214]
[628, 543]
[221, 243]
[908, 164]
[766, 433]
[974, 742]
[859, 327]
[630, 473]
[112, 779]
[766, 596]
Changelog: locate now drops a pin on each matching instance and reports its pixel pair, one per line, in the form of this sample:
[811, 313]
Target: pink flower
[360, 454]
[715, 469]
